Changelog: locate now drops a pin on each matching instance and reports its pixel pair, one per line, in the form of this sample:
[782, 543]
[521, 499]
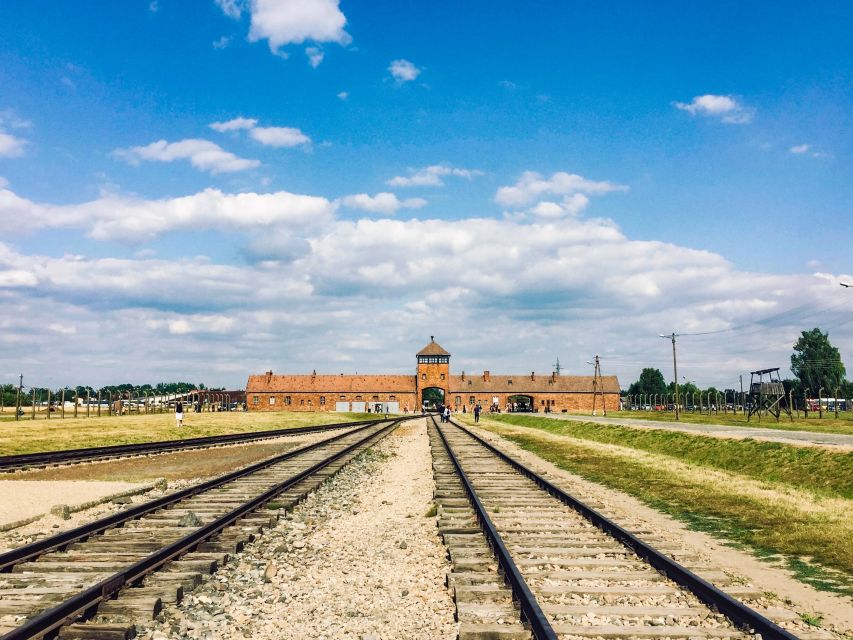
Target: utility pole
[18, 400]
[673, 336]
[597, 387]
[557, 367]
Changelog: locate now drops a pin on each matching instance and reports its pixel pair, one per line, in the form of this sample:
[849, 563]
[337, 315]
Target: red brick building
[431, 384]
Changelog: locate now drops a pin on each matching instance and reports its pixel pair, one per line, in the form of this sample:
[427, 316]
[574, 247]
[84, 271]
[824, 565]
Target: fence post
[48, 404]
[99, 403]
[836, 403]
[34, 404]
[63, 403]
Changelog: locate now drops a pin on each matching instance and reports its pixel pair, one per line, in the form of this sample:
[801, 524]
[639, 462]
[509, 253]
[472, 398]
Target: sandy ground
[836, 610]
[24, 499]
[357, 560]
[834, 441]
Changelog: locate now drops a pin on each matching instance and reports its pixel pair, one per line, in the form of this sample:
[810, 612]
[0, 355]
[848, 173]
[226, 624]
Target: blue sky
[534, 180]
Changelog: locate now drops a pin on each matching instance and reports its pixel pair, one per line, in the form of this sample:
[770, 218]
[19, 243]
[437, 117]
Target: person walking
[477, 414]
[447, 414]
[179, 413]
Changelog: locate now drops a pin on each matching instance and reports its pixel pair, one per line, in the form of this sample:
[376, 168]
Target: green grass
[814, 469]
[28, 436]
[827, 424]
[762, 525]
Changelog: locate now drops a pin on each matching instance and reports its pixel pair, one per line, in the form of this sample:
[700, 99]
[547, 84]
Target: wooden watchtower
[767, 395]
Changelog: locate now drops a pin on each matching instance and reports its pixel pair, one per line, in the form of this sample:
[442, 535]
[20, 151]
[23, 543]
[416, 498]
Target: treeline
[9, 392]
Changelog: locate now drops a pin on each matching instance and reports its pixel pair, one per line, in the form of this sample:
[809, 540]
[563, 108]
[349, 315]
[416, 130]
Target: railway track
[91, 454]
[98, 580]
[531, 560]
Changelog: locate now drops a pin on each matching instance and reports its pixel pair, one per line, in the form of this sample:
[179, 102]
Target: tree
[817, 363]
[651, 381]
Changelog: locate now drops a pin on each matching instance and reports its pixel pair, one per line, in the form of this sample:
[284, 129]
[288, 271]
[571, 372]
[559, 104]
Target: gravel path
[23, 499]
[358, 560]
[800, 438]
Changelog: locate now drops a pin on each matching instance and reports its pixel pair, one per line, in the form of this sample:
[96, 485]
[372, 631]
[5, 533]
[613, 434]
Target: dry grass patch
[49, 435]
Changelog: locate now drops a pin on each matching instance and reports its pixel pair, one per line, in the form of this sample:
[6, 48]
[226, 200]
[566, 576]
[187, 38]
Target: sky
[205, 190]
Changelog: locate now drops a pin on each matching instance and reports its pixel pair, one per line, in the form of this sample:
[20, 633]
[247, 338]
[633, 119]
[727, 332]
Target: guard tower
[433, 377]
[767, 394]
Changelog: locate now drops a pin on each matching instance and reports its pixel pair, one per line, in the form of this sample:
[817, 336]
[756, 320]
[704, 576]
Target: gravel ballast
[357, 559]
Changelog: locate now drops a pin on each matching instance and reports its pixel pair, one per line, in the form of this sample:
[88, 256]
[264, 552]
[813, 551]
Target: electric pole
[672, 337]
[597, 387]
[18, 401]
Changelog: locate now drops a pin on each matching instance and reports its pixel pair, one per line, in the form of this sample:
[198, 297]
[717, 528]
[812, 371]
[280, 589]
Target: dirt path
[834, 441]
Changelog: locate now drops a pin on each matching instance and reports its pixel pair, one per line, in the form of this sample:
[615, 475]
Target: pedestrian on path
[477, 414]
[179, 413]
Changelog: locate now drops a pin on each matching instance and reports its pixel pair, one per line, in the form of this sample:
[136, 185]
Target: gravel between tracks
[358, 560]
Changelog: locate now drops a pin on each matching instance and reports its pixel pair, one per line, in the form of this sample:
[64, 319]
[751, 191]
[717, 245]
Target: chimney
[485, 376]
[553, 376]
[533, 375]
[463, 376]
[269, 376]
[314, 373]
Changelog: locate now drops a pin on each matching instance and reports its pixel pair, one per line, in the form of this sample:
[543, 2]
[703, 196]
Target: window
[469, 382]
[287, 400]
[272, 400]
[543, 402]
[358, 397]
[256, 400]
[442, 376]
[458, 400]
[376, 397]
[423, 376]
[342, 397]
[302, 401]
[471, 400]
[322, 400]
[509, 381]
[392, 398]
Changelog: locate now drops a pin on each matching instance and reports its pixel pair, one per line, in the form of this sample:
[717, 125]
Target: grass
[781, 522]
[827, 424]
[27, 436]
[814, 469]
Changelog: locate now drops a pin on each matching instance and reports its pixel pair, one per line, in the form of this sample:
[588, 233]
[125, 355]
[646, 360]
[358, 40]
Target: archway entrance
[431, 397]
[520, 404]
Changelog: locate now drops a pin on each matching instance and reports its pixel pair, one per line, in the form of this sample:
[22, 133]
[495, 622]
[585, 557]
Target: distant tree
[651, 381]
[817, 363]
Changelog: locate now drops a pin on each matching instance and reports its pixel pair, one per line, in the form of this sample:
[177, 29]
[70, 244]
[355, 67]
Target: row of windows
[423, 377]
[288, 400]
[433, 359]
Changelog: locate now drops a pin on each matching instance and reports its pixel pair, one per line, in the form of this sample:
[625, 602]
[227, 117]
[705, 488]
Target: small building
[431, 385]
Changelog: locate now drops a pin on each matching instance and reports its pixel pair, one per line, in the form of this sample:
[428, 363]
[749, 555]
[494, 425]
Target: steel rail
[39, 547]
[530, 609]
[740, 614]
[56, 616]
[17, 461]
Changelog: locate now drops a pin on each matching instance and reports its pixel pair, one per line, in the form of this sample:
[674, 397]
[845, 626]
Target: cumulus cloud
[283, 22]
[532, 186]
[726, 108]
[431, 176]
[202, 154]
[343, 95]
[279, 136]
[136, 220]
[235, 124]
[11, 146]
[384, 203]
[800, 148]
[222, 42]
[403, 71]
[315, 56]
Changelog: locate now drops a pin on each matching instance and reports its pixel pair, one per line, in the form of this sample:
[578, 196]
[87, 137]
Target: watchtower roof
[433, 349]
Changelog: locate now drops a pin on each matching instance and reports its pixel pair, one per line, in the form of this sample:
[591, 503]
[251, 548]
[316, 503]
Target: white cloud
[130, 219]
[403, 71]
[283, 22]
[570, 205]
[202, 154]
[800, 148]
[509, 85]
[11, 146]
[222, 42]
[384, 203]
[234, 124]
[532, 186]
[3, 182]
[154, 6]
[279, 136]
[315, 56]
[231, 8]
[343, 95]
[727, 108]
[431, 176]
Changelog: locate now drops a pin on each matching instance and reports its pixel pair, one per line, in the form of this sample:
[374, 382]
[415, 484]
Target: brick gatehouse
[432, 384]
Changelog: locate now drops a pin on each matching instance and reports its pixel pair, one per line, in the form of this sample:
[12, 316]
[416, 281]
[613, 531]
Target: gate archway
[521, 403]
[431, 397]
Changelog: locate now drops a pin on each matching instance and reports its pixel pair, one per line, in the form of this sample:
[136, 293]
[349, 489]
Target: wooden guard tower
[767, 395]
